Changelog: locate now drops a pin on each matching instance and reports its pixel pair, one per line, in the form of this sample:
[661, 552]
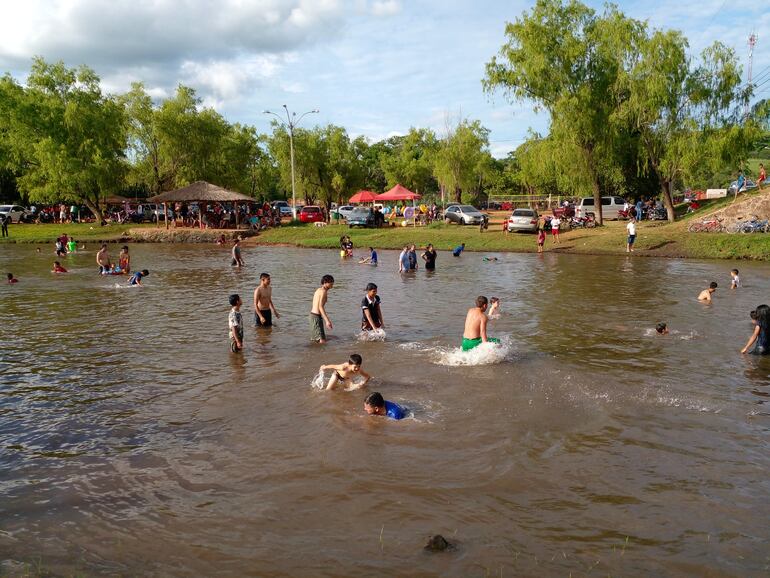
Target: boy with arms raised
[263, 303]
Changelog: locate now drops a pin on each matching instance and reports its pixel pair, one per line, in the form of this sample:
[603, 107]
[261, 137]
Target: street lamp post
[291, 123]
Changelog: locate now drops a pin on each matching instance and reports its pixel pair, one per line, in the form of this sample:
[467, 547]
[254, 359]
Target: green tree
[685, 114]
[462, 159]
[65, 137]
[566, 59]
[410, 161]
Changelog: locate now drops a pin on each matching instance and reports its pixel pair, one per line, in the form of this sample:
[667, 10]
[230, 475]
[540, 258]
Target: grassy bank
[86, 232]
[653, 239]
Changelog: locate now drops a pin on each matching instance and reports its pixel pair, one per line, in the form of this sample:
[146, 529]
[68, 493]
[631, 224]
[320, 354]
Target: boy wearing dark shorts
[235, 324]
[370, 308]
[318, 314]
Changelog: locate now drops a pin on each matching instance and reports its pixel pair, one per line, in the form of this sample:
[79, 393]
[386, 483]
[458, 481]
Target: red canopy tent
[364, 197]
[398, 193]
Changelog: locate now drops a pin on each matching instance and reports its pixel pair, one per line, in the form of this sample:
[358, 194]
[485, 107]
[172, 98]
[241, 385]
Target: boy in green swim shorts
[476, 325]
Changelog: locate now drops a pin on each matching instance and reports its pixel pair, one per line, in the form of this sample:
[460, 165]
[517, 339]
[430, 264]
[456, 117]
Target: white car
[344, 211]
[15, 212]
[522, 220]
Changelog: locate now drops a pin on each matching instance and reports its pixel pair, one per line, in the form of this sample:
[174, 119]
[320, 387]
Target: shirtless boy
[346, 371]
[705, 295]
[263, 303]
[237, 259]
[476, 325]
[318, 311]
[103, 259]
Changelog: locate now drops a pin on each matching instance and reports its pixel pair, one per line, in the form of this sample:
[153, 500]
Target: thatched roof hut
[116, 200]
[201, 191]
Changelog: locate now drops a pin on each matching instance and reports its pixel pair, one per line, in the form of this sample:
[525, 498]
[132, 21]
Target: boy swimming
[346, 371]
[374, 404]
[11, 279]
[459, 249]
[57, 268]
[136, 278]
[705, 295]
[661, 328]
[371, 259]
[235, 323]
[318, 310]
[263, 303]
[476, 325]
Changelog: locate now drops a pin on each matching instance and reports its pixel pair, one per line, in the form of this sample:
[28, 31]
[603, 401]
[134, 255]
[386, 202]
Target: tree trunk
[458, 195]
[588, 152]
[94, 208]
[668, 201]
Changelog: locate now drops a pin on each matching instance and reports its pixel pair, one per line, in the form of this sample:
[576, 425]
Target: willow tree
[685, 113]
[461, 158]
[65, 137]
[566, 59]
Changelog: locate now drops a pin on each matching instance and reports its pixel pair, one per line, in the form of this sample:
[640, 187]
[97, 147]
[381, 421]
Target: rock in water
[437, 543]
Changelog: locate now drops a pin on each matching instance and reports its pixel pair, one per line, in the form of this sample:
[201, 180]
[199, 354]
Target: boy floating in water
[476, 325]
[374, 404]
[235, 324]
[57, 268]
[370, 307]
[735, 281]
[11, 279]
[318, 311]
[136, 278]
[662, 328]
[346, 371]
[459, 249]
[705, 295]
[263, 303]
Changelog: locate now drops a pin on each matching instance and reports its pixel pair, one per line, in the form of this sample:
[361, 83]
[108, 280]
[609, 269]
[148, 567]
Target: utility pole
[752, 43]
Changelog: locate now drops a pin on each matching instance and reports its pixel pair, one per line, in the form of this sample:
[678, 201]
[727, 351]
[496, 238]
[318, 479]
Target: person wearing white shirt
[631, 228]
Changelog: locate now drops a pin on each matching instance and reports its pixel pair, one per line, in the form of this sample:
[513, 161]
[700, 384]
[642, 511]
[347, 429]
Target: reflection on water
[134, 443]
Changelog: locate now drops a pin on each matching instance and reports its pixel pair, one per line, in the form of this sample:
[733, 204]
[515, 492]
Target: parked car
[283, 207]
[361, 217]
[522, 220]
[344, 212]
[611, 207]
[153, 213]
[463, 215]
[16, 213]
[311, 214]
[564, 212]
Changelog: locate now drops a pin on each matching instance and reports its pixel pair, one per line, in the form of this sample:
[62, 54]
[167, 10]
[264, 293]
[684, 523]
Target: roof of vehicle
[311, 208]
[527, 212]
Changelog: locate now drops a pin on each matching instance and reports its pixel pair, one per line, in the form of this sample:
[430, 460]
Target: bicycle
[713, 225]
[752, 226]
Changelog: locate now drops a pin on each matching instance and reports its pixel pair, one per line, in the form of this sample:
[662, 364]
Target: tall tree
[566, 59]
[461, 158]
[410, 161]
[65, 137]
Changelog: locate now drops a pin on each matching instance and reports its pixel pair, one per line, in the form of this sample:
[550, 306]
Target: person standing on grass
[762, 176]
[555, 224]
[631, 228]
[4, 224]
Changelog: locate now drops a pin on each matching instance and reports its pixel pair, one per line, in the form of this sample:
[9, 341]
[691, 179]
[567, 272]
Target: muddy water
[133, 443]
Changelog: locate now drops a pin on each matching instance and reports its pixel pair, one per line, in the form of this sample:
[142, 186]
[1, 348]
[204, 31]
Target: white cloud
[386, 7]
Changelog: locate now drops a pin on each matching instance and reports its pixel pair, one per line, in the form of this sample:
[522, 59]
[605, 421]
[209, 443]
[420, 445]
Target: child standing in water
[237, 259]
[760, 337]
[494, 308]
[136, 278]
[371, 311]
[263, 303]
[735, 281]
[540, 239]
[346, 371]
[124, 260]
[318, 310]
[235, 324]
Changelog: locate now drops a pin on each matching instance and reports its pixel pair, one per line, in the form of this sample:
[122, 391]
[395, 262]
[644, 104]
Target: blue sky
[376, 67]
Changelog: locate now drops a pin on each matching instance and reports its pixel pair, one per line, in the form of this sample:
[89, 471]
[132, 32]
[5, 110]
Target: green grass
[87, 232]
[653, 239]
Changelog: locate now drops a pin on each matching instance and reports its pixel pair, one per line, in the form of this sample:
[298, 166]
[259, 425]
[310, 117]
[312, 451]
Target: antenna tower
[752, 43]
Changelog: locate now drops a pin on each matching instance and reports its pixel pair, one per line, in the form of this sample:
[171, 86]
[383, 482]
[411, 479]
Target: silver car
[15, 213]
[522, 220]
[463, 215]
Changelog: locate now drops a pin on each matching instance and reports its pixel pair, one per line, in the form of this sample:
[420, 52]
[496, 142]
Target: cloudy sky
[376, 67]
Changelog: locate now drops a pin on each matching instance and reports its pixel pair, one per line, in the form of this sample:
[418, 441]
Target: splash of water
[319, 381]
[484, 354]
[373, 335]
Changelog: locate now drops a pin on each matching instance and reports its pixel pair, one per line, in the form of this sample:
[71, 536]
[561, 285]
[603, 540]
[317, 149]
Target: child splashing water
[344, 374]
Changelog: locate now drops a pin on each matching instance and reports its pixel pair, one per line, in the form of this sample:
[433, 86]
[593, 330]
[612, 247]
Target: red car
[311, 214]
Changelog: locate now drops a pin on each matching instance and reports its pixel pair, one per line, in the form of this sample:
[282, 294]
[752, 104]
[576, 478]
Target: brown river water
[132, 442]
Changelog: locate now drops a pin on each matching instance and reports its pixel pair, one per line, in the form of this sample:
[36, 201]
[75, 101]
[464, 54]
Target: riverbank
[90, 233]
[654, 239]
